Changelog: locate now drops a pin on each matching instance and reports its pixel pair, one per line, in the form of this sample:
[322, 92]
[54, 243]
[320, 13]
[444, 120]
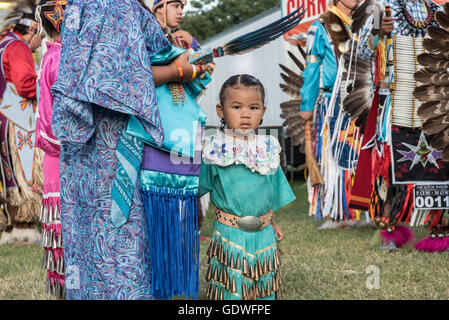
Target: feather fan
[360, 93]
[293, 82]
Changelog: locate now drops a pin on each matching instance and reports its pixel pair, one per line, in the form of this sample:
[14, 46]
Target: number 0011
[429, 202]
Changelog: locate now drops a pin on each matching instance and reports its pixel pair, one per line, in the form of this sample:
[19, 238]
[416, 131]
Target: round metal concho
[336, 27]
[250, 224]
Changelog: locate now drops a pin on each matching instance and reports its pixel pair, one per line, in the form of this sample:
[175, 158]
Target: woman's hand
[278, 231]
[187, 68]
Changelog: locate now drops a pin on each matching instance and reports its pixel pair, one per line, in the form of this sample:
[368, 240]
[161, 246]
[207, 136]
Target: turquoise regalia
[244, 179]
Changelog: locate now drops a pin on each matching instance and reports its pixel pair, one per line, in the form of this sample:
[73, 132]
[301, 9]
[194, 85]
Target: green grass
[317, 264]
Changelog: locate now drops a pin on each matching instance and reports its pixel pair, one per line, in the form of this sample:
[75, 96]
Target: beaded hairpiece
[56, 16]
[28, 22]
[157, 3]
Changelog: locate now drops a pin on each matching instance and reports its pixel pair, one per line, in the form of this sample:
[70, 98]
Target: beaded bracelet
[194, 73]
[181, 73]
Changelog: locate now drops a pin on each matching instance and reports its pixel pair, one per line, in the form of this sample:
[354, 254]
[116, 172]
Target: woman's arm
[173, 71]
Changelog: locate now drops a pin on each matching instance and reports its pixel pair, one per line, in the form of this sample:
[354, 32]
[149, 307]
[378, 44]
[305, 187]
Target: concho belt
[247, 224]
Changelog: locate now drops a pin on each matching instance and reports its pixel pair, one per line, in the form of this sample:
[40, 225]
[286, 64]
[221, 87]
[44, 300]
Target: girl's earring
[222, 124]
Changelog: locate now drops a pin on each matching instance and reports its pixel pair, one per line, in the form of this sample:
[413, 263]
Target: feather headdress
[434, 79]
[16, 13]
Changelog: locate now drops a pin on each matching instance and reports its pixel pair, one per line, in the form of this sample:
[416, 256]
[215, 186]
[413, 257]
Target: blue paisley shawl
[104, 76]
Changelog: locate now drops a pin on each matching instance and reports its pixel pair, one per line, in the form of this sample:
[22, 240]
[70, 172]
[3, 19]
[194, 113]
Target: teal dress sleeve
[207, 178]
[311, 74]
[283, 192]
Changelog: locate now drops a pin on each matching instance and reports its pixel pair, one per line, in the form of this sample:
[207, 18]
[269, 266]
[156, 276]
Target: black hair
[49, 28]
[23, 29]
[241, 80]
[237, 81]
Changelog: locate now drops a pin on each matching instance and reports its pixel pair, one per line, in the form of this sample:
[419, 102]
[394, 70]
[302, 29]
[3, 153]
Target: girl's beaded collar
[259, 153]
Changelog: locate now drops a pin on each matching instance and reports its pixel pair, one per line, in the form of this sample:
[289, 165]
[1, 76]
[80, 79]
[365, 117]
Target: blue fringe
[172, 218]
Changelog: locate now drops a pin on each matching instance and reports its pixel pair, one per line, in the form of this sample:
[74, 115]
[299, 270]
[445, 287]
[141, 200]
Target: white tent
[263, 63]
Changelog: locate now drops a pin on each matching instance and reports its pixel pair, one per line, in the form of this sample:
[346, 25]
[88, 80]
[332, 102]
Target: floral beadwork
[259, 153]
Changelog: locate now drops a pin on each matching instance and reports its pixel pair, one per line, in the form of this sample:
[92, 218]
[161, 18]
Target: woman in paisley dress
[105, 75]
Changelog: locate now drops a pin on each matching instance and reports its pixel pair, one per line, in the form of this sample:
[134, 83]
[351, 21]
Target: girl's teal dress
[244, 179]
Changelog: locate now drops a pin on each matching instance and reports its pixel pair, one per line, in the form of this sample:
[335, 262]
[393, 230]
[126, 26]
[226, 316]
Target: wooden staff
[314, 171]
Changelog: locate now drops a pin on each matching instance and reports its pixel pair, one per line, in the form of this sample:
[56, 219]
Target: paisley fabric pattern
[107, 48]
[104, 76]
[102, 261]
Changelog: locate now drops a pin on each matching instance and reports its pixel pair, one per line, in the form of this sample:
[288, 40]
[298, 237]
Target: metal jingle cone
[53, 240]
[221, 277]
[233, 285]
[262, 291]
[209, 250]
[43, 238]
[60, 240]
[252, 273]
[228, 282]
[245, 267]
[220, 254]
[209, 273]
[221, 293]
[232, 264]
[244, 290]
[52, 262]
[215, 277]
[268, 289]
[265, 265]
[252, 293]
[259, 265]
[41, 214]
[270, 264]
[208, 291]
[273, 283]
[215, 249]
[225, 262]
[47, 286]
[256, 272]
[238, 263]
[217, 289]
[48, 262]
[48, 239]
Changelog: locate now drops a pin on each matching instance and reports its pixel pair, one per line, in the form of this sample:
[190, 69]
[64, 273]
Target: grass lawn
[317, 264]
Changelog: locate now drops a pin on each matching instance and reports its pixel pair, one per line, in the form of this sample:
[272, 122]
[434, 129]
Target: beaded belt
[248, 224]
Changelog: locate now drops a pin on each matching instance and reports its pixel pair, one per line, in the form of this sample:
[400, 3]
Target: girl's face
[242, 108]
[174, 14]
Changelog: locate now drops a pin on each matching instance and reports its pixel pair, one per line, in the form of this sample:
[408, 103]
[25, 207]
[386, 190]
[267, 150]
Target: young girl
[241, 171]
[46, 141]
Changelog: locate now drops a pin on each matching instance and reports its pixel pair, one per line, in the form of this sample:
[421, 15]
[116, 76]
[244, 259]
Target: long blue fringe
[172, 217]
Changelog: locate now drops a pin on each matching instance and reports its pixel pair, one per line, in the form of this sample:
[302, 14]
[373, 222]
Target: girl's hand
[278, 231]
